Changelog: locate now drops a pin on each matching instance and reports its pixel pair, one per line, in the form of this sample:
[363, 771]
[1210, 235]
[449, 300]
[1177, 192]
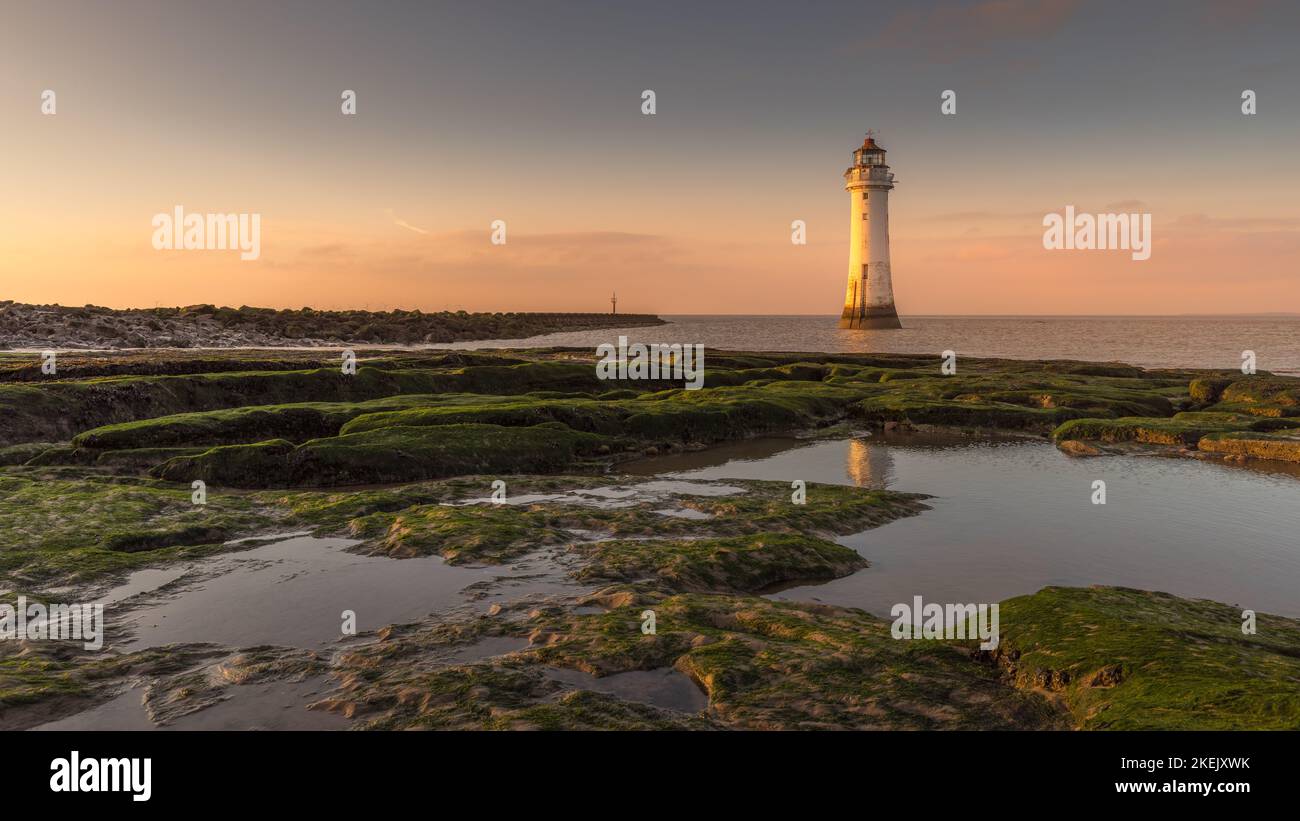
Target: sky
[531, 113]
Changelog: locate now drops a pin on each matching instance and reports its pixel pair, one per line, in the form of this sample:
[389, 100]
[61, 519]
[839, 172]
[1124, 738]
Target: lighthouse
[869, 298]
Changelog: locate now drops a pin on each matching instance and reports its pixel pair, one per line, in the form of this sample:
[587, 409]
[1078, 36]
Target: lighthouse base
[882, 318]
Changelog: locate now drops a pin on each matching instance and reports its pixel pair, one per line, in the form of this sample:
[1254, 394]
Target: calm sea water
[1160, 342]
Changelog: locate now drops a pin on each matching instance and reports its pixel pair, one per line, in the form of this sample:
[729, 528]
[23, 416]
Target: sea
[1217, 342]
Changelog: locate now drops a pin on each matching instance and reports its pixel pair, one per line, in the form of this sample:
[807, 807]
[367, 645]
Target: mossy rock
[762, 664]
[1282, 445]
[62, 455]
[782, 665]
[737, 563]
[294, 422]
[492, 697]
[1122, 659]
[1115, 369]
[142, 540]
[395, 454]
[957, 413]
[1243, 421]
[405, 525]
[21, 454]
[80, 527]
[1169, 432]
[1208, 389]
[142, 459]
[489, 533]
[1274, 390]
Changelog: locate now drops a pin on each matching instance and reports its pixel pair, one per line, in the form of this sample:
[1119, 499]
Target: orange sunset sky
[472, 112]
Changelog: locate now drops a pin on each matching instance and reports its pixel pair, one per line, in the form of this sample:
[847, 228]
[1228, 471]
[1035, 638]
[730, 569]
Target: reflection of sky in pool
[1011, 517]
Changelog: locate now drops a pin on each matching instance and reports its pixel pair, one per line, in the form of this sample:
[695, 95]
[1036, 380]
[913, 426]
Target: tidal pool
[293, 593]
[1010, 517]
[276, 705]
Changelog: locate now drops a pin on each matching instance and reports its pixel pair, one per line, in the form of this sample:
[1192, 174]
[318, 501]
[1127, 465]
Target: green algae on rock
[1124, 659]
[1099, 658]
[494, 533]
[400, 416]
[61, 529]
[781, 665]
[762, 665]
[1282, 446]
[401, 454]
[732, 563]
[458, 533]
[1239, 418]
[1175, 432]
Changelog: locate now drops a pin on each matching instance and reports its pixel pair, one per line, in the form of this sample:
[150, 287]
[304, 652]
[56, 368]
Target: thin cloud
[401, 223]
[1203, 222]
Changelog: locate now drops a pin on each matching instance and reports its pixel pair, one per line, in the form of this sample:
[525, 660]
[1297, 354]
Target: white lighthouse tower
[869, 298]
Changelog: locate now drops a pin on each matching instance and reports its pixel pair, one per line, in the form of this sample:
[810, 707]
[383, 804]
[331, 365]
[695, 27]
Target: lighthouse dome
[870, 153]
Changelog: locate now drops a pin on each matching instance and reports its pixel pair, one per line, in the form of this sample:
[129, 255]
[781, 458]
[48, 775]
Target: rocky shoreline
[56, 327]
[402, 458]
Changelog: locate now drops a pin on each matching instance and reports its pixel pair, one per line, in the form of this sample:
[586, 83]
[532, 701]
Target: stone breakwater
[91, 327]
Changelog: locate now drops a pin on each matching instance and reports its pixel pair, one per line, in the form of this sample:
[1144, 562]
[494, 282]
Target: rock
[1108, 676]
[1242, 445]
[1074, 447]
